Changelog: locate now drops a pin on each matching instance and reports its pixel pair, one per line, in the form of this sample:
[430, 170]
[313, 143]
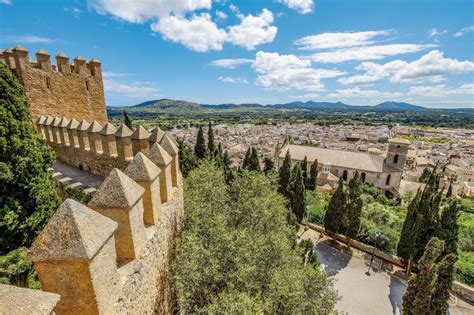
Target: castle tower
[397, 152]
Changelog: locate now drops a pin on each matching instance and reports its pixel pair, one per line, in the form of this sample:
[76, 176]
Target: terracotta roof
[346, 159]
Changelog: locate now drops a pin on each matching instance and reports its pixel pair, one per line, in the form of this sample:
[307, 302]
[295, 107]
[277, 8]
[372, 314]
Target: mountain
[398, 106]
[166, 104]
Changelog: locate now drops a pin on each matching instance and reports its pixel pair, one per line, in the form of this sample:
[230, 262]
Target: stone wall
[69, 90]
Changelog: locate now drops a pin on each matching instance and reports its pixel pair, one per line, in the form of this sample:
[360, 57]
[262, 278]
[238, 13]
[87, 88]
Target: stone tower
[397, 152]
[60, 90]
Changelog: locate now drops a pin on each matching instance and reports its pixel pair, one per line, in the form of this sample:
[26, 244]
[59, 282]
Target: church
[382, 171]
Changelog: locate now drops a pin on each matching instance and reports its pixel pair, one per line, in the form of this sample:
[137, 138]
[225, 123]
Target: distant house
[383, 171]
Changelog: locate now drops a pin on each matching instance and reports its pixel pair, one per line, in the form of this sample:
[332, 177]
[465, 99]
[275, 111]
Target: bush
[316, 206]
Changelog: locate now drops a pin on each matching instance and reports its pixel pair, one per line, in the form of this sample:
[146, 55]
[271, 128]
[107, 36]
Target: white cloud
[357, 92]
[5, 2]
[234, 8]
[464, 30]
[367, 52]
[139, 11]
[28, 39]
[305, 96]
[338, 40]
[230, 63]
[431, 67]
[198, 33]
[253, 30]
[107, 74]
[222, 16]
[442, 90]
[134, 90]
[434, 32]
[289, 71]
[302, 6]
[233, 80]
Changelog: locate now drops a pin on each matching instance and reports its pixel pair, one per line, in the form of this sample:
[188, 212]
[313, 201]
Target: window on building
[344, 175]
[48, 83]
[387, 182]
[362, 176]
[395, 159]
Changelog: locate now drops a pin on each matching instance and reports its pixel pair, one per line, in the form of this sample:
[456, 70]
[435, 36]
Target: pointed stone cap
[169, 145]
[108, 129]
[117, 191]
[140, 133]
[73, 124]
[62, 55]
[142, 169]
[40, 120]
[94, 127]
[399, 141]
[64, 122]
[159, 156]
[94, 60]
[75, 232]
[43, 52]
[156, 135]
[57, 121]
[80, 58]
[20, 48]
[8, 51]
[123, 132]
[49, 120]
[83, 125]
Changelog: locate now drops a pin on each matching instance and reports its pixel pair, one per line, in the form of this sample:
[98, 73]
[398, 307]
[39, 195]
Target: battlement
[113, 255]
[63, 89]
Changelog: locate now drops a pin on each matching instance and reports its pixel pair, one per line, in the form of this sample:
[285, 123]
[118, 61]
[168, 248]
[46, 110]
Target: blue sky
[355, 51]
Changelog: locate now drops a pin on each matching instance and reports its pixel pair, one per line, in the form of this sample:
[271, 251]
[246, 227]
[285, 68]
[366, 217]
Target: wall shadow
[397, 289]
[332, 259]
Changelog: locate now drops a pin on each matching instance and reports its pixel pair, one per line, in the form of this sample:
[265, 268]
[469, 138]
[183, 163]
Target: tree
[440, 297]
[304, 170]
[449, 193]
[232, 232]
[254, 164]
[187, 159]
[28, 197]
[448, 228]
[333, 219]
[284, 174]
[269, 165]
[210, 140]
[354, 207]
[418, 296]
[246, 161]
[425, 175]
[313, 176]
[296, 191]
[127, 120]
[200, 148]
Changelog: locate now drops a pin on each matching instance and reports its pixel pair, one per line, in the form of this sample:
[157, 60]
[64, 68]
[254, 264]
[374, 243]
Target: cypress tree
[296, 190]
[418, 296]
[304, 170]
[425, 175]
[254, 164]
[246, 161]
[334, 216]
[448, 228]
[187, 159]
[313, 176]
[449, 193]
[354, 206]
[28, 197]
[440, 297]
[269, 165]
[210, 140]
[127, 120]
[284, 174]
[200, 148]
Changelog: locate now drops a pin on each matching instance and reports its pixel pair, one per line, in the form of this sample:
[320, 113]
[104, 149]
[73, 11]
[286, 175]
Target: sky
[360, 52]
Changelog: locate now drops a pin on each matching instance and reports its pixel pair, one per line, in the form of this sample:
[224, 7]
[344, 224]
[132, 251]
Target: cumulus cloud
[302, 6]
[222, 16]
[233, 80]
[431, 67]
[338, 40]
[464, 30]
[434, 32]
[441, 90]
[139, 11]
[361, 93]
[198, 33]
[367, 52]
[253, 30]
[132, 91]
[230, 63]
[289, 71]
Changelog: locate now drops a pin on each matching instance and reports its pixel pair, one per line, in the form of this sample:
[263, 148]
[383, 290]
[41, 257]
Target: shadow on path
[397, 290]
[333, 260]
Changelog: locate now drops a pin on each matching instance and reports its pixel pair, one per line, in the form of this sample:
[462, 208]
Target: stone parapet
[22, 301]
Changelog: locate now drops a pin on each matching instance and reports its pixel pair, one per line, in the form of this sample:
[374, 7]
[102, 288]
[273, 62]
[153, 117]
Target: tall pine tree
[187, 159]
[254, 161]
[354, 206]
[448, 228]
[210, 140]
[304, 170]
[246, 161]
[313, 176]
[296, 191]
[269, 165]
[444, 282]
[28, 196]
[200, 148]
[127, 120]
[334, 216]
[284, 174]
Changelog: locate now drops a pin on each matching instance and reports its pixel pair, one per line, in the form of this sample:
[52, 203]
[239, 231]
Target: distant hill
[399, 106]
[166, 104]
